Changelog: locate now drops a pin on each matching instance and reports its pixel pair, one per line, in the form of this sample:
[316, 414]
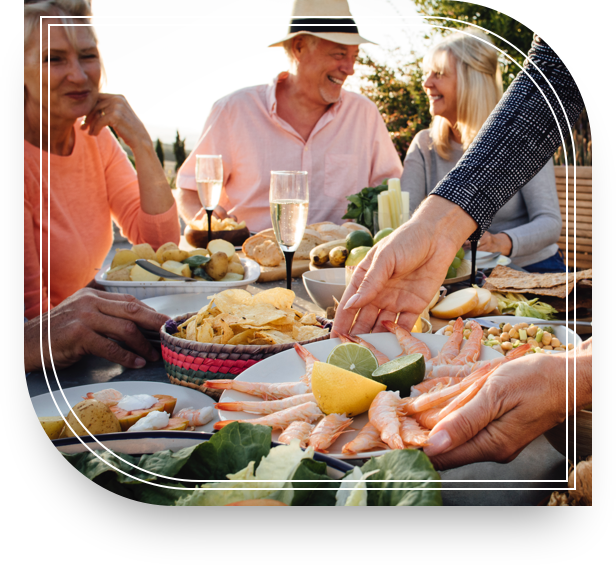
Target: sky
[173, 64]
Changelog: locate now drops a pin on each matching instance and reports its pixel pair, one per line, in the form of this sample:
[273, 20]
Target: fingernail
[439, 442]
[139, 362]
[353, 300]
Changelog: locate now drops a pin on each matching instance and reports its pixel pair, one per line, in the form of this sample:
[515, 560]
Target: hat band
[323, 25]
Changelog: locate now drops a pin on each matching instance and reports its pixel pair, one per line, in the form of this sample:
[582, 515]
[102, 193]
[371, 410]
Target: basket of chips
[232, 333]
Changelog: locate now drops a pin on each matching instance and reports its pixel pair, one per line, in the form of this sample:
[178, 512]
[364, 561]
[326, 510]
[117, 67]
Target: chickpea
[561, 348]
[555, 342]
[467, 326]
[493, 331]
[532, 331]
[507, 327]
[569, 346]
[449, 328]
[514, 333]
[517, 327]
[496, 338]
[448, 333]
[533, 343]
[452, 322]
[507, 345]
[547, 338]
[523, 325]
[505, 336]
[466, 333]
[547, 348]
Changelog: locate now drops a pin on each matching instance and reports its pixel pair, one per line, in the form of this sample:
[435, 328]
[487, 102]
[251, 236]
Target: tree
[160, 153]
[179, 150]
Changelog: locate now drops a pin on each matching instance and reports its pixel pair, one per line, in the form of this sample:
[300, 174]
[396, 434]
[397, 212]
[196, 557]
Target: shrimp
[430, 384]
[267, 407]
[196, 417]
[109, 396]
[368, 438]
[413, 433]
[408, 342]
[470, 350]
[461, 399]
[429, 418]
[297, 430]
[327, 431]
[307, 412]
[267, 391]
[383, 416]
[431, 399]
[309, 359]
[452, 346]
[380, 357]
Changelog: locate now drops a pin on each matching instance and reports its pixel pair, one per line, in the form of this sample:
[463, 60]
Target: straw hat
[327, 19]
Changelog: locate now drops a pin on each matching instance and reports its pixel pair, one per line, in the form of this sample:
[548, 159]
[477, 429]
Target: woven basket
[191, 363]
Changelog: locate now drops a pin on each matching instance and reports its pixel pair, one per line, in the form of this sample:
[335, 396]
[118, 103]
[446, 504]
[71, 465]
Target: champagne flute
[208, 174]
[289, 211]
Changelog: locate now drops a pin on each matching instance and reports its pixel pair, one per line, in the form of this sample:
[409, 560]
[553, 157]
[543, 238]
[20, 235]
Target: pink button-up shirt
[348, 149]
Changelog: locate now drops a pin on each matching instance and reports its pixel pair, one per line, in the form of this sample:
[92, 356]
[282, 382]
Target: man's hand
[86, 323]
[404, 271]
[520, 401]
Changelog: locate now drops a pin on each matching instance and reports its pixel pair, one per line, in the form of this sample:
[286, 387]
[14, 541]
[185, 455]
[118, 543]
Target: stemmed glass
[208, 174]
[289, 211]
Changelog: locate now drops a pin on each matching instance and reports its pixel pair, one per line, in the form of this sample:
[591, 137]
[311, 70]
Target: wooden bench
[583, 201]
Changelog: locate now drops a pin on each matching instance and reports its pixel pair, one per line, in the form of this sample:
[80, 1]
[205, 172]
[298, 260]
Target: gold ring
[102, 112]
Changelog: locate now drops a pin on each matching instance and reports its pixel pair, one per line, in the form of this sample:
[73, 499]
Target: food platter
[186, 398]
[174, 305]
[287, 366]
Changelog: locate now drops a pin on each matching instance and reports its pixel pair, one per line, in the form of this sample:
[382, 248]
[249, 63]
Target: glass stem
[209, 225]
[473, 261]
[288, 258]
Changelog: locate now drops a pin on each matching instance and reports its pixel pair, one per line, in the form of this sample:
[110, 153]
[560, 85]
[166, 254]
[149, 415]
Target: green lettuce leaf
[314, 495]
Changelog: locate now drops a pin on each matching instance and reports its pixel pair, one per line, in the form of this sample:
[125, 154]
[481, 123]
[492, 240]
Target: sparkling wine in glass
[289, 211]
[208, 174]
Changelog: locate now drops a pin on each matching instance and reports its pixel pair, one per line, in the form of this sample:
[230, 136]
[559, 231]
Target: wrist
[505, 245]
[447, 219]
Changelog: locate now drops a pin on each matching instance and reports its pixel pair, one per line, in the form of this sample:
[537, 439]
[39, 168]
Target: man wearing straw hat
[304, 120]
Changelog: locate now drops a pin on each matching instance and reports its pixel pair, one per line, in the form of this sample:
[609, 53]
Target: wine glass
[289, 211]
[208, 174]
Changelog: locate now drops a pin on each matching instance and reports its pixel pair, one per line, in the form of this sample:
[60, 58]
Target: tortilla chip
[191, 329]
[226, 299]
[279, 297]
[304, 333]
[205, 333]
[309, 320]
[242, 338]
[274, 337]
[258, 314]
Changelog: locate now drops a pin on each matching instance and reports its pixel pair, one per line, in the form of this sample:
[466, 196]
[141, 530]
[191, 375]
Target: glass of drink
[208, 174]
[289, 211]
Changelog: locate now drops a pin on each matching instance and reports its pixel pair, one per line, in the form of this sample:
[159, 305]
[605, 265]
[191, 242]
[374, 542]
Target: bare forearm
[154, 191]
[451, 223]
[580, 359]
[32, 348]
[188, 204]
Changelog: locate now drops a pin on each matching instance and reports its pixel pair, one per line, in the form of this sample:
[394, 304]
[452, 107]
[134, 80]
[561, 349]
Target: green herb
[196, 261]
[363, 205]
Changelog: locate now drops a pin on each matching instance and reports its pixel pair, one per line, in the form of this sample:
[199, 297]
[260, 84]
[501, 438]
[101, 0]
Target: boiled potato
[232, 277]
[52, 425]
[237, 268]
[164, 247]
[235, 258]
[144, 250]
[121, 273]
[177, 268]
[199, 251]
[123, 257]
[218, 264]
[138, 273]
[95, 416]
[220, 245]
[174, 255]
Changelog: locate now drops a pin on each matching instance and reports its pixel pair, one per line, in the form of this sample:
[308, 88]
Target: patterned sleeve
[517, 140]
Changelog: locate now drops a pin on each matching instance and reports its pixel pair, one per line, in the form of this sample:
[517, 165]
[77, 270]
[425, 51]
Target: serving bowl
[324, 285]
[199, 238]
[557, 436]
[143, 289]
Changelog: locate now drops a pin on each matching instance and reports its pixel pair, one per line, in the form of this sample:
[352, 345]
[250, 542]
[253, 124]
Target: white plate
[141, 289]
[187, 397]
[483, 264]
[177, 304]
[287, 366]
[563, 333]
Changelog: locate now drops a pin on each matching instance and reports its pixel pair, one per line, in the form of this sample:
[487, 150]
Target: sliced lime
[401, 373]
[355, 358]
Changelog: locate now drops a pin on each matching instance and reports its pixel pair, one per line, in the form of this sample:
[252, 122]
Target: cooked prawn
[297, 430]
[408, 342]
[368, 438]
[470, 350]
[413, 433]
[327, 431]
[196, 417]
[380, 357]
[383, 416]
[109, 396]
[267, 407]
[267, 391]
[307, 412]
[452, 346]
[429, 418]
[464, 397]
[309, 359]
[430, 384]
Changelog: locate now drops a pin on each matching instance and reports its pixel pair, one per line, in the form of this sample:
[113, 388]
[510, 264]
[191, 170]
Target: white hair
[311, 42]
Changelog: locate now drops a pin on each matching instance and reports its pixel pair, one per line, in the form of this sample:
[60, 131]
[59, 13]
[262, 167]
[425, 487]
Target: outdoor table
[538, 462]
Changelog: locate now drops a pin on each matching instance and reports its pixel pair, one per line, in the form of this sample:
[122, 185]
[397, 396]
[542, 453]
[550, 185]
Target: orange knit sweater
[88, 188]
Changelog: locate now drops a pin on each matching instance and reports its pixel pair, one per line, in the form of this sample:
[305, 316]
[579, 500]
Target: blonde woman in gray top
[463, 83]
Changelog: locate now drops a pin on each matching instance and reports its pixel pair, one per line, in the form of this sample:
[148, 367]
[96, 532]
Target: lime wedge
[401, 373]
[355, 358]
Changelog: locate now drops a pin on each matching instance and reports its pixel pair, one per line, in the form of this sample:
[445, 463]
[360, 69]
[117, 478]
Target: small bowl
[198, 238]
[583, 436]
[323, 285]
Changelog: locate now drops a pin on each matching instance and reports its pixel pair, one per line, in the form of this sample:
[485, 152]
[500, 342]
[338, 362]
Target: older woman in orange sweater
[90, 180]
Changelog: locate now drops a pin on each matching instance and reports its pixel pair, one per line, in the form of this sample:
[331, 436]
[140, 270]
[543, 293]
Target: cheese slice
[484, 301]
[456, 304]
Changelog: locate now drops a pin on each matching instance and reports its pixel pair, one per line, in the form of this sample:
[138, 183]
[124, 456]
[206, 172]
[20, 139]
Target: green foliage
[496, 22]
[160, 153]
[363, 204]
[179, 150]
[400, 98]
